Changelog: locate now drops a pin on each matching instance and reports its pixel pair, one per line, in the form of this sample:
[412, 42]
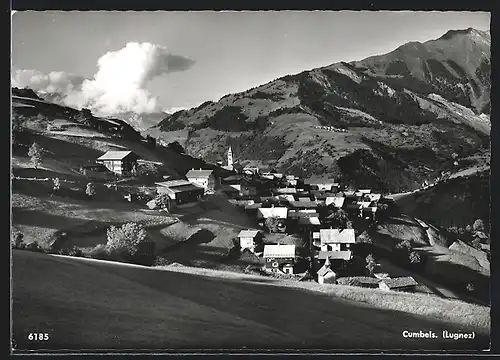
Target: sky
[151, 61]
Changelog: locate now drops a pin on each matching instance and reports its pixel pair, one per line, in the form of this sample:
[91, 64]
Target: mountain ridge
[376, 114]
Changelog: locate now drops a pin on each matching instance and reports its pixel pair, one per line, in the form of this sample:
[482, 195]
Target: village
[323, 213]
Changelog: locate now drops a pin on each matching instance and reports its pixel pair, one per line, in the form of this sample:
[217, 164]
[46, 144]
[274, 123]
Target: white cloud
[119, 84]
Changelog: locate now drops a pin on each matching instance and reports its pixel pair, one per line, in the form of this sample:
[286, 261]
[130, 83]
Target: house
[337, 201]
[204, 178]
[281, 213]
[362, 281]
[321, 184]
[370, 212]
[325, 274]
[335, 239]
[286, 191]
[303, 205]
[308, 223]
[286, 198]
[180, 191]
[334, 244]
[373, 196]
[247, 188]
[279, 258]
[406, 283]
[119, 162]
[248, 239]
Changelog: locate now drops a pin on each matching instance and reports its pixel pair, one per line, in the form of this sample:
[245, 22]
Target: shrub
[272, 224]
[161, 261]
[370, 264]
[478, 225]
[76, 251]
[147, 169]
[415, 258]
[17, 239]
[33, 246]
[35, 155]
[126, 239]
[56, 184]
[90, 190]
[98, 252]
[476, 243]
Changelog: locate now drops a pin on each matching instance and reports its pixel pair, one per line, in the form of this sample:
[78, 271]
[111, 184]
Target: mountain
[388, 121]
[139, 122]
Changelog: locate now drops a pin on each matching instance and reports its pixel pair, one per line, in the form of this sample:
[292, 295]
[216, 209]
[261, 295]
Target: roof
[337, 201]
[317, 181]
[286, 190]
[366, 280]
[374, 197]
[199, 173]
[324, 270]
[344, 255]
[300, 214]
[173, 183]
[343, 236]
[309, 221]
[303, 204]
[364, 204]
[248, 233]
[399, 282]
[280, 212]
[185, 188]
[253, 206]
[114, 155]
[304, 199]
[365, 191]
[286, 197]
[279, 251]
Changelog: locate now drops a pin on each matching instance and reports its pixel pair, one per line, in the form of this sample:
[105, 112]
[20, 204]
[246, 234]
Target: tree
[405, 244]
[90, 190]
[478, 225]
[17, 239]
[57, 184]
[338, 218]
[126, 240]
[272, 223]
[476, 243]
[134, 170]
[415, 258]
[370, 264]
[147, 169]
[35, 155]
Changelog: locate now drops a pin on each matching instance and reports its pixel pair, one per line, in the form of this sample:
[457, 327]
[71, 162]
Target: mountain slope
[85, 304]
[370, 123]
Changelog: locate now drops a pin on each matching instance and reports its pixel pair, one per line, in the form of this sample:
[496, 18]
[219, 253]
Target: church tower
[230, 157]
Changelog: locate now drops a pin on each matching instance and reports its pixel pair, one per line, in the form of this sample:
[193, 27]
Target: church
[230, 163]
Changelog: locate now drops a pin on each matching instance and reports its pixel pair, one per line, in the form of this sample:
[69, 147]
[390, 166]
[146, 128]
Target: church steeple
[230, 157]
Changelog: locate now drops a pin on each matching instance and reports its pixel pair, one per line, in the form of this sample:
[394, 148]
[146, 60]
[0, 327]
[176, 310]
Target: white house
[248, 239]
[204, 178]
[325, 274]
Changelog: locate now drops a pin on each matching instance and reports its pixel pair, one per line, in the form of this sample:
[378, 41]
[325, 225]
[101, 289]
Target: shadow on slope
[85, 304]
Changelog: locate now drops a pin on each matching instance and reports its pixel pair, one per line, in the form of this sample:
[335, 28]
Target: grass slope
[86, 304]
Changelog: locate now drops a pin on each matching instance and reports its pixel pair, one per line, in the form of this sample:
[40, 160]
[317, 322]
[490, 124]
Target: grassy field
[86, 304]
[450, 264]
